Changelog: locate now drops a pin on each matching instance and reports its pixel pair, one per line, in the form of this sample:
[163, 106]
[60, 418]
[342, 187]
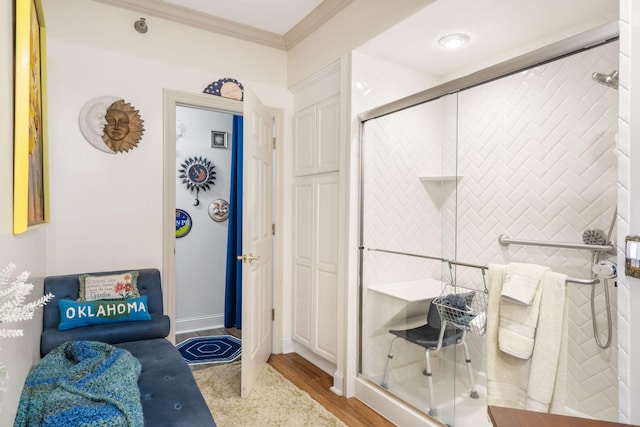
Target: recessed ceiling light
[453, 41]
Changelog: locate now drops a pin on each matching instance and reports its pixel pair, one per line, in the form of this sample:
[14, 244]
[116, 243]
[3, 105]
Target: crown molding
[190, 17]
[316, 18]
[169, 11]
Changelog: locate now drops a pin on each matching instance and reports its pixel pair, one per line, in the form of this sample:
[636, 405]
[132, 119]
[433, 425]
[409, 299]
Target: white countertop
[415, 290]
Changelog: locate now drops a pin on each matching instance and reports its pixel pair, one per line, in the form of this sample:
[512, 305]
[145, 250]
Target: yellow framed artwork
[30, 164]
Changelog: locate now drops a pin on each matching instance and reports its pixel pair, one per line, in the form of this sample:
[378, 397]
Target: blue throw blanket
[82, 383]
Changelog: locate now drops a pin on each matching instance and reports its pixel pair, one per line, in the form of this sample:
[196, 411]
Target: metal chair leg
[472, 383]
[385, 379]
[433, 411]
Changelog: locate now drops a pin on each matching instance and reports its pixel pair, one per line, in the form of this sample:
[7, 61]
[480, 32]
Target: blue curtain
[233, 286]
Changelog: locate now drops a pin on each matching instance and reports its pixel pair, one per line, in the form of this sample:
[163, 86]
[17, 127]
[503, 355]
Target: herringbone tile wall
[536, 160]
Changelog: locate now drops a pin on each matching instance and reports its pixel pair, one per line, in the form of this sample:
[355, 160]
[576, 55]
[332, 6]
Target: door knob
[248, 258]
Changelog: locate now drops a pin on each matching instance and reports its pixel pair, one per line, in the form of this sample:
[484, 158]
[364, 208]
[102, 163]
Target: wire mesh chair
[450, 315]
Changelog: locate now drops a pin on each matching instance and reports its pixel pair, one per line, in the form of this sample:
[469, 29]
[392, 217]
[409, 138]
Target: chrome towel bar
[506, 240]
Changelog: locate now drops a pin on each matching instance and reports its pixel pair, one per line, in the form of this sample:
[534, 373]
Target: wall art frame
[219, 139]
[30, 170]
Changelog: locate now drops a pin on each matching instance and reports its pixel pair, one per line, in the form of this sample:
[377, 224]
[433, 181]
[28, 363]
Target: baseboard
[320, 362]
[338, 383]
[193, 324]
[287, 346]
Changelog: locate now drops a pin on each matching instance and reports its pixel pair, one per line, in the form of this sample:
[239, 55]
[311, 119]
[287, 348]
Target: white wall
[628, 212]
[201, 255]
[28, 250]
[107, 209]
[355, 24]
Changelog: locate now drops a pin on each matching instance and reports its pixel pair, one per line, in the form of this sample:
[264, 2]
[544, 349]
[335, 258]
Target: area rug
[214, 349]
[274, 400]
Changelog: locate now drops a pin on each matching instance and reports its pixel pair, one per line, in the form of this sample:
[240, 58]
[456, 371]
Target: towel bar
[506, 240]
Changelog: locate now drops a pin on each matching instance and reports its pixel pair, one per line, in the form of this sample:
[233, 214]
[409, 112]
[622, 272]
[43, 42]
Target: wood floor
[314, 381]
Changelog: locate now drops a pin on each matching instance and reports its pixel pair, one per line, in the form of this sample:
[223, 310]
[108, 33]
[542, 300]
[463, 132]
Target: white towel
[521, 293]
[546, 379]
[538, 383]
[521, 282]
[507, 376]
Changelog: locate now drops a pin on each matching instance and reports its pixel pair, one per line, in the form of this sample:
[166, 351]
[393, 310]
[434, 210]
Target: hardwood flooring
[313, 380]
[308, 377]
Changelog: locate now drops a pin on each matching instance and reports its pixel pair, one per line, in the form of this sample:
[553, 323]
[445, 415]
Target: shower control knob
[605, 270]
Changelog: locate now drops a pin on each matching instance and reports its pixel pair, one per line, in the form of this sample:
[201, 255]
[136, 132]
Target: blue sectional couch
[168, 391]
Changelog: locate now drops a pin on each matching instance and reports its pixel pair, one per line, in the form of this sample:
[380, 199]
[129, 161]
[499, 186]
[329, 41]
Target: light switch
[632, 256]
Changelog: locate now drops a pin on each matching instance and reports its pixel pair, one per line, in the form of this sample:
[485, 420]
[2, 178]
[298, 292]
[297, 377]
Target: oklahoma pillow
[74, 314]
[108, 286]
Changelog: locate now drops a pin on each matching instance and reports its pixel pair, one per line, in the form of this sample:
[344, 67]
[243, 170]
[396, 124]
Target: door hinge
[273, 143]
[273, 229]
[273, 314]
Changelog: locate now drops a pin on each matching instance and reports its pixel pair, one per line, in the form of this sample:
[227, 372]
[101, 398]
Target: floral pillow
[109, 286]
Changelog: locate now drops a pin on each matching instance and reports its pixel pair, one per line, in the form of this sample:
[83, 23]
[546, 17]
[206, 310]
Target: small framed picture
[219, 139]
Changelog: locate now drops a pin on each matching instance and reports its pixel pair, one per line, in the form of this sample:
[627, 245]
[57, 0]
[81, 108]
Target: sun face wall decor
[198, 174]
[111, 125]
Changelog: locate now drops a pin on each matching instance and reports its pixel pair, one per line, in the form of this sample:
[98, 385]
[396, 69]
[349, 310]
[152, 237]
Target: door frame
[172, 99]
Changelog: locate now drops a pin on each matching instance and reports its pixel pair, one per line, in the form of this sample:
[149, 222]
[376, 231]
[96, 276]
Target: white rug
[274, 400]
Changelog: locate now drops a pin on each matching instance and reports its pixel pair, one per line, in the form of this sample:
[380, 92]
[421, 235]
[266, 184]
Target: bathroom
[531, 157]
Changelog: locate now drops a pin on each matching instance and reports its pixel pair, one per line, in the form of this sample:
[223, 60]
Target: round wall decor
[198, 174]
[219, 210]
[183, 223]
[110, 124]
[227, 88]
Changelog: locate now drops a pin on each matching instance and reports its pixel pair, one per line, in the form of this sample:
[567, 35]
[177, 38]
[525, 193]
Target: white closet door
[326, 265]
[303, 232]
[315, 273]
[328, 135]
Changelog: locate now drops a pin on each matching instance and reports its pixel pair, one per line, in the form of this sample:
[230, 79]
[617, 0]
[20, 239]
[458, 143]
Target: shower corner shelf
[439, 178]
[440, 187]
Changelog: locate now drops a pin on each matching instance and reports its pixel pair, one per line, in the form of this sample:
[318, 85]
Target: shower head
[610, 79]
[594, 236]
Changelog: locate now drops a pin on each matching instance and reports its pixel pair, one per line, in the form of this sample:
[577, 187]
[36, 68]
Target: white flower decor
[13, 307]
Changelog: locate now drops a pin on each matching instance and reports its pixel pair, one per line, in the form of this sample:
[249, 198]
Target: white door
[256, 240]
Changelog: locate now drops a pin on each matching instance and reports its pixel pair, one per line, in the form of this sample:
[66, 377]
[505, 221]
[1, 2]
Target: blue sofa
[168, 391]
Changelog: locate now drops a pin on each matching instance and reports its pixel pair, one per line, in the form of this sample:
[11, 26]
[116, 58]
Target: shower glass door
[533, 155]
[408, 218]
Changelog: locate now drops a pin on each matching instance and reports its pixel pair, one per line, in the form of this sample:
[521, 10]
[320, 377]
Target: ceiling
[498, 28]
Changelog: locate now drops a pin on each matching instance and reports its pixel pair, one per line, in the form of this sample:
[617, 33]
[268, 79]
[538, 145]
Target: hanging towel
[548, 364]
[521, 282]
[537, 383]
[519, 309]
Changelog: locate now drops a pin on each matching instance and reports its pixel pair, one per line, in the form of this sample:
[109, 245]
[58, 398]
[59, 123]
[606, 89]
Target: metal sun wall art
[111, 125]
[198, 174]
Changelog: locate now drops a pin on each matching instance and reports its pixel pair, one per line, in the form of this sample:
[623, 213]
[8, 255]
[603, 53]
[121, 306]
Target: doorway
[172, 100]
[204, 141]
[254, 190]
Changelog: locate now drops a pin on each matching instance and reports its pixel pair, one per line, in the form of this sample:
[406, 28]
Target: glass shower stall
[524, 150]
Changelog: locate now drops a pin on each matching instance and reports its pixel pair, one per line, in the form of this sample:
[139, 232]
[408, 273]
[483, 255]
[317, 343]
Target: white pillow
[109, 286]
